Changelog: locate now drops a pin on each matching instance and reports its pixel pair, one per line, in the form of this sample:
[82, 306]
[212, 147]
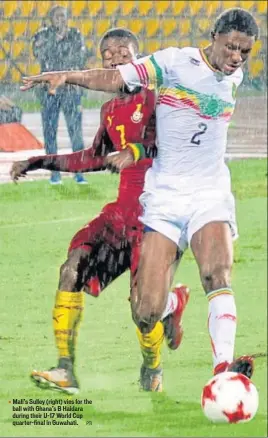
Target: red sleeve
[87, 160]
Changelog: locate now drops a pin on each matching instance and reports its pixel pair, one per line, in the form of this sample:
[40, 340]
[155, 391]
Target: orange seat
[195, 7]
[89, 44]
[10, 8]
[4, 29]
[133, 24]
[19, 49]
[168, 26]
[152, 45]
[151, 27]
[6, 46]
[33, 26]
[102, 26]
[257, 46]
[144, 7]
[182, 42]
[42, 8]
[94, 7]
[161, 7]
[20, 28]
[127, 8]
[247, 4]
[64, 3]
[184, 25]
[256, 67]
[202, 43]
[27, 8]
[262, 7]
[178, 7]
[211, 8]
[78, 7]
[15, 74]
[111, 7]
[229, 4]
[4, 69]
[122, 22]
[33, 69]
[85, 26]
[202, 25]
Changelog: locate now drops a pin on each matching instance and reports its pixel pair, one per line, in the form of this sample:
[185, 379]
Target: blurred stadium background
[158, 24]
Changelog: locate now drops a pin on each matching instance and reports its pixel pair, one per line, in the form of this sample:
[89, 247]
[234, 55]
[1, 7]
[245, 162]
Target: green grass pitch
[37, 222]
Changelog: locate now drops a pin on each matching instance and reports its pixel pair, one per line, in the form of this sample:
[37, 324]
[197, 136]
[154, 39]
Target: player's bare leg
[67, 314]
[213, 249]
[176, 304]
[148, 304]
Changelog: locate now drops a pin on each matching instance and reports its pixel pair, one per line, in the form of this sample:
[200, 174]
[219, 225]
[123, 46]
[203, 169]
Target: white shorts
[179, 216]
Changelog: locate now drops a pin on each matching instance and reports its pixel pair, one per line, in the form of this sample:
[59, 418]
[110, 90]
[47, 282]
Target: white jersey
[195, 103]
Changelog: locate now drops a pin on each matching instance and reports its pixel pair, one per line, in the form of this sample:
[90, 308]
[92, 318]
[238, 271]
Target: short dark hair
[55, 8]
[120, 32]
[236, 19]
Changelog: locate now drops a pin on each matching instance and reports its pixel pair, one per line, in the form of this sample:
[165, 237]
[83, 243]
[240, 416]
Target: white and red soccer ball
[229, 398]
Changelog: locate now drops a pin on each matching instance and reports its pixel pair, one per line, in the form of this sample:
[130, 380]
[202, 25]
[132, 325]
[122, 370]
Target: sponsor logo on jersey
[110, 120]
[194, 61]
[137, 115]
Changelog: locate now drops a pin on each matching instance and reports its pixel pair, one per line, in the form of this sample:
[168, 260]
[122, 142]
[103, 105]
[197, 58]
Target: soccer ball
[229, 398]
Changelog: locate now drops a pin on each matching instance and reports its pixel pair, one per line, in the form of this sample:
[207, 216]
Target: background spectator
[9, 112]
[59, 47]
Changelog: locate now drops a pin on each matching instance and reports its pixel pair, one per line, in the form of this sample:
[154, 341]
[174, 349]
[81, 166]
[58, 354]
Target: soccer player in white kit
[187, 197]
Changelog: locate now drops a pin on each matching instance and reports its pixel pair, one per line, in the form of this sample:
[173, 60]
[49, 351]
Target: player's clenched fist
[117, 161]
[54, 79]
[19, 169]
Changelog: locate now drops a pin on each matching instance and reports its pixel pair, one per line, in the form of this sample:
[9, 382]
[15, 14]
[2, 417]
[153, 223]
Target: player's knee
[216, 276]
[70, 276]
[146, 313]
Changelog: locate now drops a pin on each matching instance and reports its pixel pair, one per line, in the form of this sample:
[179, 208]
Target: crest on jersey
[234, 88]
[137, 115]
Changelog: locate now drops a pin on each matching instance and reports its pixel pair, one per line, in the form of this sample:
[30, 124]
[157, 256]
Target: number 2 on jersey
[121, 129]
[195, 138]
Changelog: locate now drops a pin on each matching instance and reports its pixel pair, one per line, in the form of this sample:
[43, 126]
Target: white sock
[222, 325]
[171, 305]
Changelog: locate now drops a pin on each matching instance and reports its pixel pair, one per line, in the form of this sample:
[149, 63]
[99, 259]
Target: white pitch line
[53, 221]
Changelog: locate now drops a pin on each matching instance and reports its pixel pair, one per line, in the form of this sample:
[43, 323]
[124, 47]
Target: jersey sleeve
[151, 71]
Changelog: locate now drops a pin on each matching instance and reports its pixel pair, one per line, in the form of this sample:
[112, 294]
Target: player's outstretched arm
[95, 79]
[81, 161]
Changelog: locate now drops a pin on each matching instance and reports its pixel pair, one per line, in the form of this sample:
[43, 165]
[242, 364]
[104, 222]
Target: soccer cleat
[172, 323]
[79, 179]
[151, 379]
[58, 379]
[242, 365]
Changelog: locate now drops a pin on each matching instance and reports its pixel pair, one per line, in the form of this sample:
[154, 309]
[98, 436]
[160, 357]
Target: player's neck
[121, 95]
[208, 54]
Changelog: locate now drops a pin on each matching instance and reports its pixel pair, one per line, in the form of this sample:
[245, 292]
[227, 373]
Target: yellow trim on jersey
[204, 57]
